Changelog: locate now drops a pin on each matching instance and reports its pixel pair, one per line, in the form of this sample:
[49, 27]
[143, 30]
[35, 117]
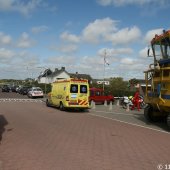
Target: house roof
[58, 72]
[46, 72]
[83, 76]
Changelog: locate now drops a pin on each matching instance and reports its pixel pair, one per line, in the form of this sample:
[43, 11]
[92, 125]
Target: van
[69, 93]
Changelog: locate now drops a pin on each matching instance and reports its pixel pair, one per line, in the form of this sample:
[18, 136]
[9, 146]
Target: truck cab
[158, 96]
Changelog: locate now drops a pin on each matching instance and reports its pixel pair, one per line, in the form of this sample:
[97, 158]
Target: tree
[119, 87]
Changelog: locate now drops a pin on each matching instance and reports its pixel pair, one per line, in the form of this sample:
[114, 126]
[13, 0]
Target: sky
[102, 38]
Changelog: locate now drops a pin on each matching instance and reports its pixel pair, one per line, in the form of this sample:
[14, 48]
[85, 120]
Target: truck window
[83, 88]
[74, 88]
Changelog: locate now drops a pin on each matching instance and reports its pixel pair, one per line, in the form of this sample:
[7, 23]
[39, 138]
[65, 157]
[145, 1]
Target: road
[115, 113]
[37, 137]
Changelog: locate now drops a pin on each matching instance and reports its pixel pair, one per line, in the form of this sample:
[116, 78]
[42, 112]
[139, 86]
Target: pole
[104, 60]
[45, 82]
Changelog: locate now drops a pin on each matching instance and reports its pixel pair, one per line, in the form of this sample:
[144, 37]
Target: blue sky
[77, 34]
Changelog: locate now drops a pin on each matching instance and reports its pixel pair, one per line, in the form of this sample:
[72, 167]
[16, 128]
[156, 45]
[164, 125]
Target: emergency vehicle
[69, 93]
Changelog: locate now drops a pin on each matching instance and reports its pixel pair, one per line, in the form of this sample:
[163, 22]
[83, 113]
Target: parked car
[14, 88]
[97, 95]
[35, 92]
[24, 90]
[5, 88]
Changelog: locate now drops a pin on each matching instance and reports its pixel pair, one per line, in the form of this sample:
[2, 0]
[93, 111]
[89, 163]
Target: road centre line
[118, 113]
[133, 124]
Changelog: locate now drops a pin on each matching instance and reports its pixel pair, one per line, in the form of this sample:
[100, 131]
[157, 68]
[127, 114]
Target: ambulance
[69, 93]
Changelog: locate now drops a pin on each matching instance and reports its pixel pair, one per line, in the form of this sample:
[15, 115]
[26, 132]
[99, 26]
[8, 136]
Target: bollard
[118, 102]
[110, 105]
[105, 103]
[93, 105]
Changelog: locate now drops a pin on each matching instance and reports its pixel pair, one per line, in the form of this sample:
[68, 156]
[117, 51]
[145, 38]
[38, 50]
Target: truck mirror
[148, 51]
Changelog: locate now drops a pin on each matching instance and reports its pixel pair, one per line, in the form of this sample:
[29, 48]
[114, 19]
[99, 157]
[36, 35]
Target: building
[49, 77]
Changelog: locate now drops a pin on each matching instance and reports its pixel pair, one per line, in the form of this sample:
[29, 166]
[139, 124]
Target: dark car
[5, 88]
[24, 90]
[13, 88]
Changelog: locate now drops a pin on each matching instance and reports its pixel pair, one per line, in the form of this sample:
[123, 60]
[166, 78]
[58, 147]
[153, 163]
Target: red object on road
[97, 95]
[136, 100]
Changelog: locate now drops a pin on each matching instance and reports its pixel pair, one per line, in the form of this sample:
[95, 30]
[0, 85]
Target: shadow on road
[3, 123]
[159, 123]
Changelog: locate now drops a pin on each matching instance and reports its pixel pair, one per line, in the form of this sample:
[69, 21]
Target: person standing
[135, 100]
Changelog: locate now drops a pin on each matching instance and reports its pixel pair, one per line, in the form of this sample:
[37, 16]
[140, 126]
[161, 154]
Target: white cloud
[151, 34]
[105, 30]
[5, 39]
[115, 52]
[25, 41]
[65, 48]
[39, 29]
[17, 59]
[99, 30]
[68, 48]
[93, 61]
[131, 2]
[69, 37]
[23, 7]
[127, 61]
[143, 52]
[19, 6]
[62, 60]
[125, 36]
[6, 54]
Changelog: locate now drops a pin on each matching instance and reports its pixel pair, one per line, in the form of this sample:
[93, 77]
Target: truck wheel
[148, 113]
[168, 121]
[47, 103]
[61, 107]
[142, 105]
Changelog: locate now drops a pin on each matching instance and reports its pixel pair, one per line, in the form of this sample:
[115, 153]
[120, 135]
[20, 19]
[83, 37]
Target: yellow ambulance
[69, 93]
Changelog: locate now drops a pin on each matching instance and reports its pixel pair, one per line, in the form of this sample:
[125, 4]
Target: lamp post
[104, 63]
[45, 77]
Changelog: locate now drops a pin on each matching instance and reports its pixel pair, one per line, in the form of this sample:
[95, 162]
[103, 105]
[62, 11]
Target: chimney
[63, 68]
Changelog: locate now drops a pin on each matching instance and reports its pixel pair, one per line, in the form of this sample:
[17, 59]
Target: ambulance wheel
[168, 121]
[61, 107]
[148, 113]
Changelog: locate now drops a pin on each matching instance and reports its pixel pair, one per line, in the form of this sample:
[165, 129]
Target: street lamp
[104, 63]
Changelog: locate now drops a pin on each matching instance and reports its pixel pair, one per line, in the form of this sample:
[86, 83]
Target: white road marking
[133, 124]
[19, 100]
[118, 113]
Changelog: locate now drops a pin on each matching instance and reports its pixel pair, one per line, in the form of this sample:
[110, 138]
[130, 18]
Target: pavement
[36, 137]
